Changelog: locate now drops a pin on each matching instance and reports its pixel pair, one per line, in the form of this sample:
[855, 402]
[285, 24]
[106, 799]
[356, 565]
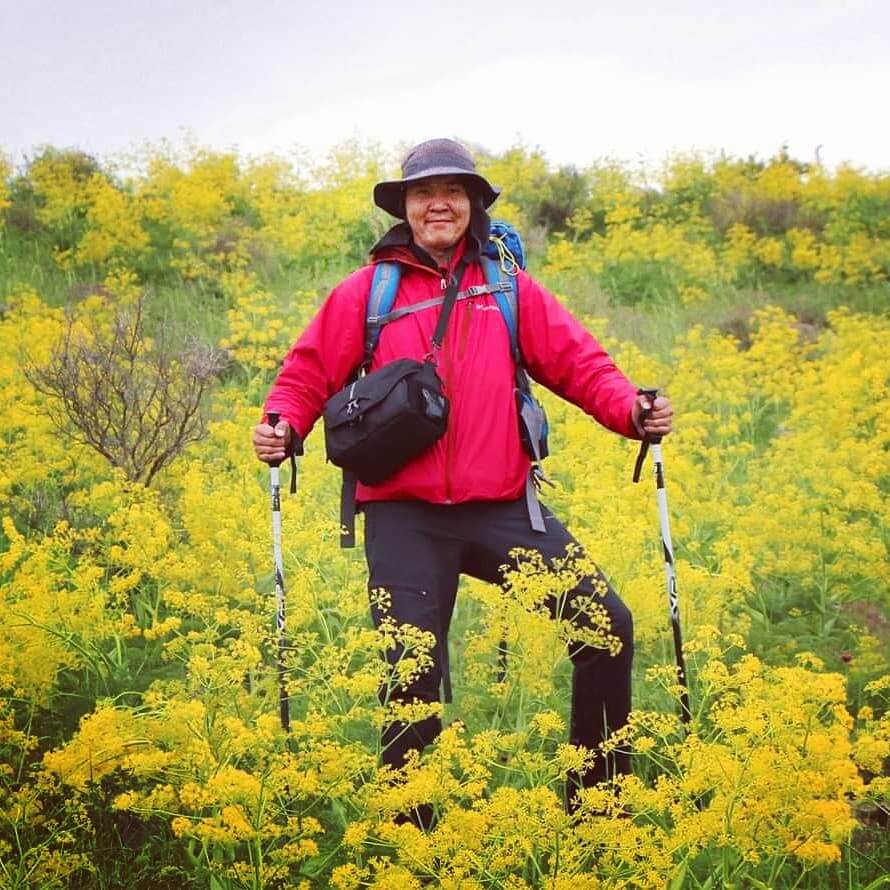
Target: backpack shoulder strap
[532, 417]
[384, 287]
[507, 300]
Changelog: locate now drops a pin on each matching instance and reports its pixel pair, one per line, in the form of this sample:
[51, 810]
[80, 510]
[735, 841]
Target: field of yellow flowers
[140, 743]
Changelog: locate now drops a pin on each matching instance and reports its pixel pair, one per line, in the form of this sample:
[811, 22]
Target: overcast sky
[582, 80]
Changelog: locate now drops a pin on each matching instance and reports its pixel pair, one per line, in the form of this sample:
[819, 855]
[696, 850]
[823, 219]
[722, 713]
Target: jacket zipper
[465, 329]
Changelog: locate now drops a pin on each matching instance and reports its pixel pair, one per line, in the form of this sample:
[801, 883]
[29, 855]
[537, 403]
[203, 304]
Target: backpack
[502, 258]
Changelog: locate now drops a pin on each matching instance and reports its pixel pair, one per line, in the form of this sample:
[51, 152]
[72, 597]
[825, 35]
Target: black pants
[416, 551]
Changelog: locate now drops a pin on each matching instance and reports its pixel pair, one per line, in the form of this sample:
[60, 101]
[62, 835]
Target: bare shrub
[128, 397]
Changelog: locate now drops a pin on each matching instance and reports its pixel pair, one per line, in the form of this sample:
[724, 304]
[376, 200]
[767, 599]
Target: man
[460, 507]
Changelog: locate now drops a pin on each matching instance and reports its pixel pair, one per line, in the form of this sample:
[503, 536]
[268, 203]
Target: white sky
[632, 80]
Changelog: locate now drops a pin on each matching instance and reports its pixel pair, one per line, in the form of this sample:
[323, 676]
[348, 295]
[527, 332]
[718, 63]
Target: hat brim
[390, 195]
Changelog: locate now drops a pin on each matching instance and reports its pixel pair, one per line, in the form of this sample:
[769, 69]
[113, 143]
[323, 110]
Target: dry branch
[131, 399]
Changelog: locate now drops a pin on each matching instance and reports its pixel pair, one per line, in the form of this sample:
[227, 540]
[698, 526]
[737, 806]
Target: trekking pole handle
[644, 445]
[652, 394]
[273, 418]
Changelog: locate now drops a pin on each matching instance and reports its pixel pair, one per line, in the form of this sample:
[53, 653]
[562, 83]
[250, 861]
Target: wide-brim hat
[437, 157]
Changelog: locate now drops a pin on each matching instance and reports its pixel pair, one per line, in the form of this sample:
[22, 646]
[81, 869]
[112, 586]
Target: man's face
[438, 212]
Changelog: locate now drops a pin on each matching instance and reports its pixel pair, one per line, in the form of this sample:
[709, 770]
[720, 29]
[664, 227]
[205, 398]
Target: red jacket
[480, 457]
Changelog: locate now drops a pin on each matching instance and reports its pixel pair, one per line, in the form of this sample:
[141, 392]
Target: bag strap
[347, 510]
[447, 306]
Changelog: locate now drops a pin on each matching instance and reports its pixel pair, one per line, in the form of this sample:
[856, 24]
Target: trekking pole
[275, 488]
[669, 572]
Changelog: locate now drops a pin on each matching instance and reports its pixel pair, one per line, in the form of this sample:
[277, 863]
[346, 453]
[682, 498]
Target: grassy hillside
[143, 319]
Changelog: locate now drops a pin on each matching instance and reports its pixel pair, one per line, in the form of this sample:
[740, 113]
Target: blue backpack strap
[531, 415]
[507, 300]
[384, 287]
